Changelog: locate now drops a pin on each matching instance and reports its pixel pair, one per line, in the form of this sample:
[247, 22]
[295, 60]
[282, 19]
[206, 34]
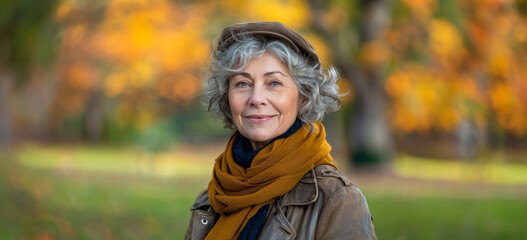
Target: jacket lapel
[304, 193]
[277, 225]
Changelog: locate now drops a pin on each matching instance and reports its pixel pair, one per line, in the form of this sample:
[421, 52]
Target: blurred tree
[457, 67]
[354, 30]
[131, 67]
[447, 67]
[27, 42]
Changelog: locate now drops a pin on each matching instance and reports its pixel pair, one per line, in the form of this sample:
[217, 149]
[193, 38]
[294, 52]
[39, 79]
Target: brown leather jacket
[325, 204]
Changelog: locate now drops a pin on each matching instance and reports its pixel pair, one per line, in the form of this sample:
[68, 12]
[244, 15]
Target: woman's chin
[259, 142]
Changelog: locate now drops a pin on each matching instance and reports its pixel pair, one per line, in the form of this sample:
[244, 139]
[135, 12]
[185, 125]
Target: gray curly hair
[317, 86]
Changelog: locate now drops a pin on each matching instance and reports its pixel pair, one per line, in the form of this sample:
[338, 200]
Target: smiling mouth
[258, 118]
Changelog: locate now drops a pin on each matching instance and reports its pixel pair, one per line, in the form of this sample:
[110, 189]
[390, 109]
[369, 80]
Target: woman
[276, 178]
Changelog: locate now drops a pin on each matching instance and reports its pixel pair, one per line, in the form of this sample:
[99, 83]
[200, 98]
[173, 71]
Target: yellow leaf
[292, 13]
[445, 39]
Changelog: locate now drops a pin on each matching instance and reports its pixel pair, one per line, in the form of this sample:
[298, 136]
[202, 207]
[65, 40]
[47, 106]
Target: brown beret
[270, 30]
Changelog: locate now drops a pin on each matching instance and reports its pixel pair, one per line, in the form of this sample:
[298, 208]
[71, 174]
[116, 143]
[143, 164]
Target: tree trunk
[94, 116]
[6, 123]
[369, 141]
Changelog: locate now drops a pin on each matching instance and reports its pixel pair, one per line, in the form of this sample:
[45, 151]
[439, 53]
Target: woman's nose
[258, 97]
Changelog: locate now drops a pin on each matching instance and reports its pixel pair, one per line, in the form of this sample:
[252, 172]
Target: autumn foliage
[139, 52]
[445, 62]
[467, 67]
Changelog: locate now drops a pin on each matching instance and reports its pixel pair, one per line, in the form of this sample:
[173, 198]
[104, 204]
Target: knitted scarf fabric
[238, 192]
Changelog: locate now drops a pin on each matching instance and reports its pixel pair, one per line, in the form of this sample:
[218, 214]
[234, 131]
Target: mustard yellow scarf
[238, 193]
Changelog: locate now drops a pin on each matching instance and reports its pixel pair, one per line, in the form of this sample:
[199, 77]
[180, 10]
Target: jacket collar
[202, 202]
[305, 192]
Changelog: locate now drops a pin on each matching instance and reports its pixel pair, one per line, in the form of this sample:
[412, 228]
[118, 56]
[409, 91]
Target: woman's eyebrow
[248, 75]
[244, 74]
[274, 72]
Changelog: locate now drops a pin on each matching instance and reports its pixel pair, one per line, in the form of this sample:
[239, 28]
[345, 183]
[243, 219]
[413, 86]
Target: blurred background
[103, 134]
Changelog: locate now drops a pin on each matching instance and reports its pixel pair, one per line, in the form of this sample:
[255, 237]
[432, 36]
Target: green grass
[95, 206]
[491, 172]
[116, 160]
[80, 192]
[398, 217]
[84, 192]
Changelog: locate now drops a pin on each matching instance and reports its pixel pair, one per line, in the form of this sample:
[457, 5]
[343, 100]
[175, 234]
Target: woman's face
[264, 99]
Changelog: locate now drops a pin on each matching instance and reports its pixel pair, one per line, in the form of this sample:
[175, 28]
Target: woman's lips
[258, 118]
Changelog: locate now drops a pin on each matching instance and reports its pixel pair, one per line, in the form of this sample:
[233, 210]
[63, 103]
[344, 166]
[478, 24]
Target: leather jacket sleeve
[345, 216]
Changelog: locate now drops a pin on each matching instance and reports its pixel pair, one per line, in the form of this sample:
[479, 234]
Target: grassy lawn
[81, 192]
[46, 205]
[448, 218]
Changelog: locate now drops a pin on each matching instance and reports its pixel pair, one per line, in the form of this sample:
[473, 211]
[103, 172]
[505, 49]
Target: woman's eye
[241, 84]
[275, 83]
